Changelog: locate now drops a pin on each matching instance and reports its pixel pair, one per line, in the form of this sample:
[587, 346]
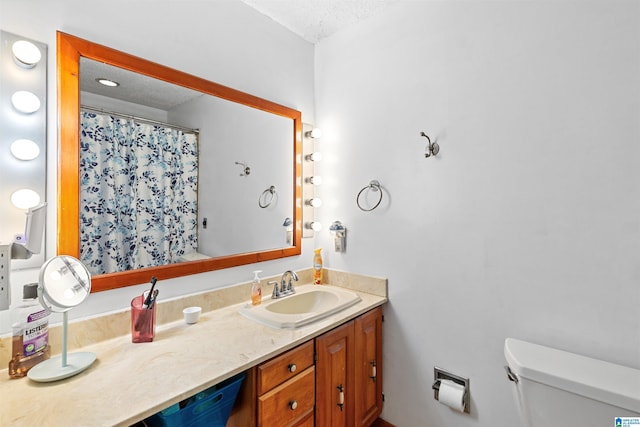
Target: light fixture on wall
[314, 202]
[25, 198]
[313, 157]
[314, 180]
[23, 132]
[25, 149]
[313, 226]
[26, 54]
[314, 133]
[25, 102]
[310, 179]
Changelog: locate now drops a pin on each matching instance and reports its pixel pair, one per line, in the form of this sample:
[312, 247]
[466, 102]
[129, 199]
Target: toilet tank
[556, 388]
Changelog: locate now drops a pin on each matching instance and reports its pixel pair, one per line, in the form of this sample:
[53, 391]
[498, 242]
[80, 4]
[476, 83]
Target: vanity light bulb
[25, 198]
[314, 133]
[25, 102]
[315, 180]
[27, 54]
[25, 149]
[315, 226]
[315, 202]
[314, 157]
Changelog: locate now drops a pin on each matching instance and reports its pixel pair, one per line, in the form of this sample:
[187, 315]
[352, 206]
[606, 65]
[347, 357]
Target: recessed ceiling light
[107, 82]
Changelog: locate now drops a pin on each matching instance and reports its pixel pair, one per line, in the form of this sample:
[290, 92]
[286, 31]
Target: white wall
[221, 40]
[526, 225]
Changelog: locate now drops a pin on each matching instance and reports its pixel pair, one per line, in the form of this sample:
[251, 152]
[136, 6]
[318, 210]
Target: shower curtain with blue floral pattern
[138, 193]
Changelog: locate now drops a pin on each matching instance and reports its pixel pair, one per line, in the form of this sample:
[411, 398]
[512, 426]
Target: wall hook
[247, 169]
[432, 148]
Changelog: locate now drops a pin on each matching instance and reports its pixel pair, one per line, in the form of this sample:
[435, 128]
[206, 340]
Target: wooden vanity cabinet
[368, 367]
[339, 386]
[286, 389]
[349, 373]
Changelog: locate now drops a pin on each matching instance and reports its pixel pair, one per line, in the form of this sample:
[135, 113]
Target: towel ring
[373, 186]
[264, 201]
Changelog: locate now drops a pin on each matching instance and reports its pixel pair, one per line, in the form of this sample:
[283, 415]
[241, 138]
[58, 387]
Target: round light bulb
[25, 149]
[25, 102]
[314, 225]
[314, 157]
[315, 180]
[314, 133]
[26, 53]
[315, 202]
[25, 198]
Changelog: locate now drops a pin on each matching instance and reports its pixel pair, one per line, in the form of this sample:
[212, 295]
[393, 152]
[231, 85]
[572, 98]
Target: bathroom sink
[309, 304]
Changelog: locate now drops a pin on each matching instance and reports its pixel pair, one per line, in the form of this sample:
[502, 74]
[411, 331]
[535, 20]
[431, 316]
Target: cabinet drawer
[288, 402]
[287, 365]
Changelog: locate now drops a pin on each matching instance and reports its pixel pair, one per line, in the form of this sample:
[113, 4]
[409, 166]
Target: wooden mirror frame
[69, 51]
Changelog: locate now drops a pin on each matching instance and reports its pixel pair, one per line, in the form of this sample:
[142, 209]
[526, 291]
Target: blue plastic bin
[209, 408]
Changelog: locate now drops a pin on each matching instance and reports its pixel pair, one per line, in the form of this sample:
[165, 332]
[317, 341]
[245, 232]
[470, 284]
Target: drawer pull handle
[374, 372]
[341, 397]
[293, 405]
[292, 367]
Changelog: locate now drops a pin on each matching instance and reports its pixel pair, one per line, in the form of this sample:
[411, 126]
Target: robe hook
[432, 148]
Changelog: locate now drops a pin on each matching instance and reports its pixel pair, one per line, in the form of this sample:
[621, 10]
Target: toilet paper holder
[440, 374]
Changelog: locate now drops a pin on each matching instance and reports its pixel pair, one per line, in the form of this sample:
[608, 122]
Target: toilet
[555, 388]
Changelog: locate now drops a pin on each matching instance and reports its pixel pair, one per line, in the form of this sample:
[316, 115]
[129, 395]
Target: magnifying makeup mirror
[64, 283]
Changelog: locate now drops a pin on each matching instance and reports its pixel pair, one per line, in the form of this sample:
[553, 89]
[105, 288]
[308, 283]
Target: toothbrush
[147, 300]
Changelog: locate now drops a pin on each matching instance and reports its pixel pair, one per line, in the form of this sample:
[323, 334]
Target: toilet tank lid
[596, 379]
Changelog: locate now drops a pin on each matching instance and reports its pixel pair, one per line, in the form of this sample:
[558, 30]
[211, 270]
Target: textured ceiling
[311, 19]
[316, 19]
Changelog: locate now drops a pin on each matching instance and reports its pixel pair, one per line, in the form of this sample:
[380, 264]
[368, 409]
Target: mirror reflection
[168, 174]
[175, 175]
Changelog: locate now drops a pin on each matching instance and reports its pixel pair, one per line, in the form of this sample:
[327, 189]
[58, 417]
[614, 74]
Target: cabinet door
[368, 367]
[334, 377]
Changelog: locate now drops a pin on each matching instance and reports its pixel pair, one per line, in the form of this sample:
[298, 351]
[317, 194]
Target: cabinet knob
[374, 372]
[292, 367]
[293, 405]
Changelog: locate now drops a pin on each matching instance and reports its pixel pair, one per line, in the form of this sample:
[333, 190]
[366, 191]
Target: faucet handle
[276, 291]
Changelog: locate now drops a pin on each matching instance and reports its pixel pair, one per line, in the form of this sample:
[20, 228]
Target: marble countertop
[129, 382]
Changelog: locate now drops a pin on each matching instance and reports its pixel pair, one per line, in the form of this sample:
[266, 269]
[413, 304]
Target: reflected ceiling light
[25, 102]
[25, 198]
[315, 180]
[27, 54]
[107, 82]
[315, 133]
[314, 157]
[25, 149]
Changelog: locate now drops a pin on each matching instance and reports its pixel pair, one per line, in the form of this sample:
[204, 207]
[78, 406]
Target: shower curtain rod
[140, 119]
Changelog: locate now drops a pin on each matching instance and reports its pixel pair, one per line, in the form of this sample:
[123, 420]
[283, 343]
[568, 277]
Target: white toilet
[554, 388]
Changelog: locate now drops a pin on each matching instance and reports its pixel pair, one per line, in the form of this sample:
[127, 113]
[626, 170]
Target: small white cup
[191, 314]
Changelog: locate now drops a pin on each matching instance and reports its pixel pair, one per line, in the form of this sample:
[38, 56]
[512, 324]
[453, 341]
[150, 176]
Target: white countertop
[129, 382]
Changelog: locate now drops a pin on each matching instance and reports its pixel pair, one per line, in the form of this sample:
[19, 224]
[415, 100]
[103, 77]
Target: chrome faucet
[286, 287]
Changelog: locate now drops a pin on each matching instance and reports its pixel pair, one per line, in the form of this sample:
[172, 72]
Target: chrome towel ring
[373, 186]
[267, 197]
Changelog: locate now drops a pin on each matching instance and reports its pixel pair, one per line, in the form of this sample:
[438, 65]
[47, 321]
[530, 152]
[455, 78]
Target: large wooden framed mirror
[247, 168]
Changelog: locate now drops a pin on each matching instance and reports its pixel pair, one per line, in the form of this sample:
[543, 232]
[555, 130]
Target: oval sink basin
[310, 303]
